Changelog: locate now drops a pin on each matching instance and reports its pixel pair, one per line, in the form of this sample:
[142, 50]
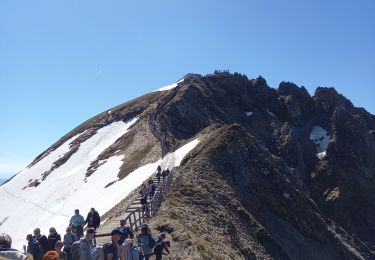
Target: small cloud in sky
[99, 72]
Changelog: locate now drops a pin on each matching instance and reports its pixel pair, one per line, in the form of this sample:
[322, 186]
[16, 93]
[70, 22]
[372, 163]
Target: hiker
[51, 255]
[164, 175]
[33, 247]
[53, 238]
[160, 245]
[62, 255]
[69, 239]
[87, 249]
[146, 241]
[158, 173]
[93, 219]
[125, 233]
[110, 248]
[131, 251]
[6, 250]
[143, 190]
[144, 204]
[151, 189]
[77, 222]
[42, 241]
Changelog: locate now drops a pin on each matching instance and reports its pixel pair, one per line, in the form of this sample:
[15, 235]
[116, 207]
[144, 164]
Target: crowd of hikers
[79, 245]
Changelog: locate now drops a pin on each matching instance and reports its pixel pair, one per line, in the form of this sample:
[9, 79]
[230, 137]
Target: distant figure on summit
[158, 173]
[93, 219]
[77, 222]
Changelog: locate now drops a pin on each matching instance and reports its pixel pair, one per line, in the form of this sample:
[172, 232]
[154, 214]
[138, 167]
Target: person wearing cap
[87, 248]
[77, 222]
[110, 248]
[131, 251]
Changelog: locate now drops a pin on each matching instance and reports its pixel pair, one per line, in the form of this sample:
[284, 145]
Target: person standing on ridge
[33, 247]
[69, 239]
[6, 250]
[158, 173]
[110, 248]
[53, 238]
[92, 219]
[42, 241]
[146, 241]
[87, 249]
[62, 255]
[125, 233]
[77, 222]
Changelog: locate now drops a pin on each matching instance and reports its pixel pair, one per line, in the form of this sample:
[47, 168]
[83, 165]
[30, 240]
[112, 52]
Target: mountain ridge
[299, 168]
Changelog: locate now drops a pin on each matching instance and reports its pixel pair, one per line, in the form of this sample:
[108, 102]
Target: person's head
[122, 222]
[144, 229]
[52, 231]
[5, 240]
[128, 243]
[116, 235]
[92, 210]
[68, 230]
[90, 233]
[37, 232]
[76, 212]
[29, 237]
[51, 255]
[58, 246]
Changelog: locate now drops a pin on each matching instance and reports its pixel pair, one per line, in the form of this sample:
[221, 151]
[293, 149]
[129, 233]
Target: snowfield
[168, 87]
[52, 203]
[319, 136]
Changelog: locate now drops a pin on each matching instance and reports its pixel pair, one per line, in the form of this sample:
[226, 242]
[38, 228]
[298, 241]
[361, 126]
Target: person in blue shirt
[144, 241]
[77, 222]
[132, 252]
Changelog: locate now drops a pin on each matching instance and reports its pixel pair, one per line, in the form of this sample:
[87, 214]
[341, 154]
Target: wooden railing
[140, 215]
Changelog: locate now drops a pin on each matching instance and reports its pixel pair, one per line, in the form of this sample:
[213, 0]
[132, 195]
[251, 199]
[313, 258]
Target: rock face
[278, 174]
[279, 196]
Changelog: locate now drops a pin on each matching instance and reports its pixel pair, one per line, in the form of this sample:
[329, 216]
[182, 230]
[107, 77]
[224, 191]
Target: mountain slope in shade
[276, 173]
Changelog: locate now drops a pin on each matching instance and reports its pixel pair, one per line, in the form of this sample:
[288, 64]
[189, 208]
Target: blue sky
[63, 61]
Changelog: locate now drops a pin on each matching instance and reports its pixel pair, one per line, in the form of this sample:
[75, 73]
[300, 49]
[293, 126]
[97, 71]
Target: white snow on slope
[65, 192]
[168, 87]
[248, 113]
[319, 136]
[53, 201]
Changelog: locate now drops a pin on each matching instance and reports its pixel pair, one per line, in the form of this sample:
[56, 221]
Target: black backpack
[151, 242]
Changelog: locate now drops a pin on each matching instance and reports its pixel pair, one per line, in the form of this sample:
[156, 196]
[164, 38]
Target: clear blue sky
[63, 61]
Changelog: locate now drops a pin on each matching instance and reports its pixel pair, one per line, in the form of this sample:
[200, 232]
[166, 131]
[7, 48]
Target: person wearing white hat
[131, 251]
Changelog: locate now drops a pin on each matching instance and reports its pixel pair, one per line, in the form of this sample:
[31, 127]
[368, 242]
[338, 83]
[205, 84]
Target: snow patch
[53, 201]
[319, 136]
[109, 112]
[171, 86]
[371, 131]
[270, 113]
[248, 113]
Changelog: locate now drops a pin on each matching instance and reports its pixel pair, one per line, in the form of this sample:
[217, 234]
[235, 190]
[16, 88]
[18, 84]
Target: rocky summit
[276, 174]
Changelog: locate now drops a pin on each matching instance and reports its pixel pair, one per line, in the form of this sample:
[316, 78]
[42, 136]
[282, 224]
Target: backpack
[106, 247]
[151, 242]
[76, 250]
[158, 249]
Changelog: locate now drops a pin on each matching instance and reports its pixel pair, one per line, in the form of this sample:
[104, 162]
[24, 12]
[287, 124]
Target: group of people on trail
[40, 246]
[124, 246]
[77, 245]
[162, 173]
